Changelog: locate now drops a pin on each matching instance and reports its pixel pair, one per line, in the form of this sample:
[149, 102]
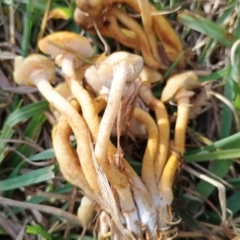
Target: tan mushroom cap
[149, 75]
[26, 69]
[82, 19]
[102, 75]
[186, 80]
[61, 42]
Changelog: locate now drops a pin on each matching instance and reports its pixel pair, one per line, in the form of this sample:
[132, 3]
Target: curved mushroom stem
[67, 157]
[150, 152]
[79, 128]
[148, 27]
[144, 45]
[166, 182]
[163, 30]
[38, 70]
[119, 35]
[163, 129]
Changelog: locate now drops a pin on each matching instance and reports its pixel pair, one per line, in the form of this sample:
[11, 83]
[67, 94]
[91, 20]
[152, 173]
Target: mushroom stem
[67, 157]
[163, 30]
[142, 199]
[179, 88]
[119, 35]
[140, 35]
[179, 141]
[148, 28]
[150, 152]
[163, 129]
[168, 175]
[79, 128]
[101, 148]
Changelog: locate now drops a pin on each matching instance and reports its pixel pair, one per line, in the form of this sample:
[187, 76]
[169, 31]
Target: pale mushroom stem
[146, 209]
[101, 148]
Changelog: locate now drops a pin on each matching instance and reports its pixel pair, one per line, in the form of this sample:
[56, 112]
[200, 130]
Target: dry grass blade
[220, 186]
[47, 209]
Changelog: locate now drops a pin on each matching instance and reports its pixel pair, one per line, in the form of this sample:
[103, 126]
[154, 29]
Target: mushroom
[97, 77]
[179, 88]
[126, 69]
[108, 27]
[38, 70]
[68, 50]
[163, 30]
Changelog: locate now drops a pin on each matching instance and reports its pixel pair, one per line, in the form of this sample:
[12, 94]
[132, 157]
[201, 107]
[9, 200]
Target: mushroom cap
[82, 19]
[187, 80]
[149, 75]
[92, 7]
[102, 75]
[26, 69]
[58, 43]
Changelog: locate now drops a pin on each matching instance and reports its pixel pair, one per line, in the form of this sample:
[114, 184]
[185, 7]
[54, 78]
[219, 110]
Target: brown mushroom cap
[92, 7]
[186, 80]
[82, 19]
[58, 43]
[25, 69]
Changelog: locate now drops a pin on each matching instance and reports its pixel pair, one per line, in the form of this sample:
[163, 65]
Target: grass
[29, 174]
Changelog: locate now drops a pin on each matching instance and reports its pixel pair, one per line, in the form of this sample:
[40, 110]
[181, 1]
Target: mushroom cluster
[156, 40]
[118, 86]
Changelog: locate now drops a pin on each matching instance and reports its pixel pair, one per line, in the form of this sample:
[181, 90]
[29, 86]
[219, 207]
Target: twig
[42, 208]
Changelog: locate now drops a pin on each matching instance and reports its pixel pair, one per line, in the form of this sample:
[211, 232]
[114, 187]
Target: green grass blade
[26, 112]
[49, 153]
[223, 143]
[218, 155]
[38, 230]
[205, 26]
[32, 132]
[27, 27]
[17, 117]
[33, 177]
[220, 168]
